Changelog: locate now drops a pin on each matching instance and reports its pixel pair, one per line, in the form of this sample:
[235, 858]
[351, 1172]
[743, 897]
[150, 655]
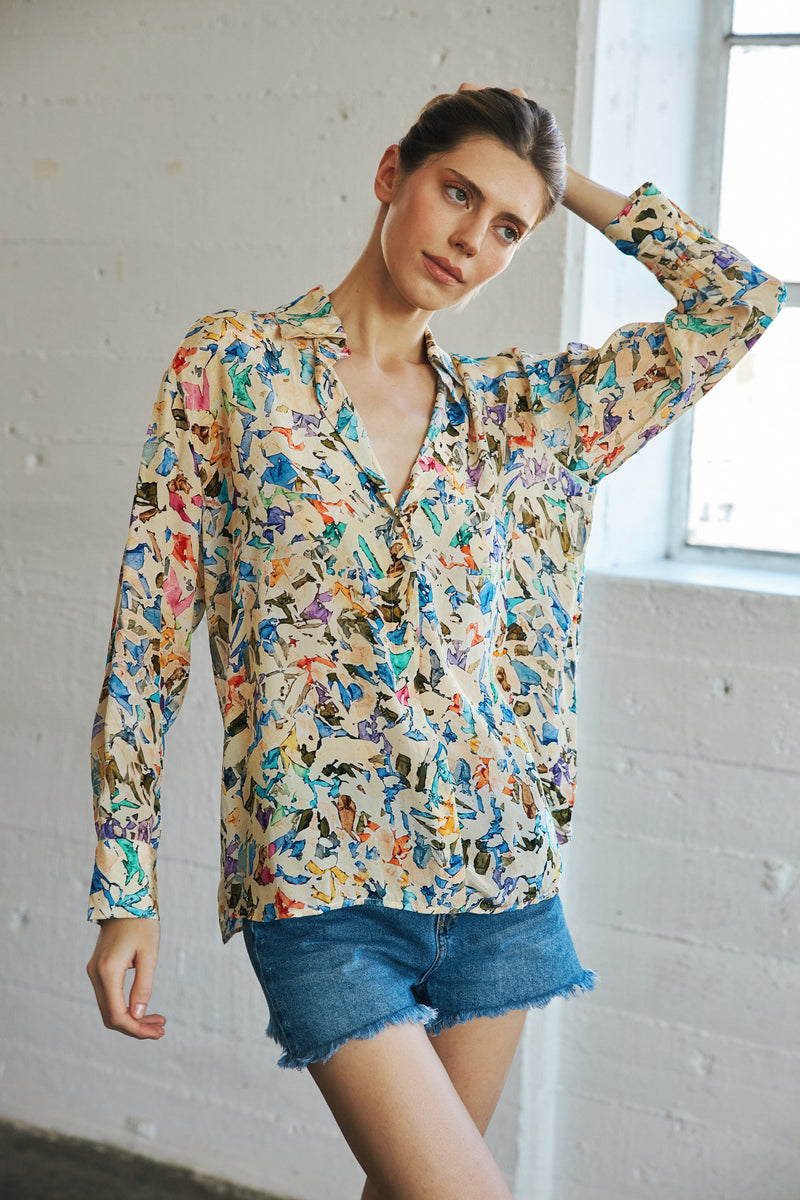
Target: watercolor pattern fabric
[396, 681]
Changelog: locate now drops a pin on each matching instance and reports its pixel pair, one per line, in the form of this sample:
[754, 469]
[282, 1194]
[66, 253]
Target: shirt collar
[312, 316]
[441, 360]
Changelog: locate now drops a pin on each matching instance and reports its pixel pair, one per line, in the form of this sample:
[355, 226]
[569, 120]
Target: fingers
[125, 944]
[142, 986]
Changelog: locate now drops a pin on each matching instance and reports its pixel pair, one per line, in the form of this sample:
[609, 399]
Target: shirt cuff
[656, 231]
[124, 881]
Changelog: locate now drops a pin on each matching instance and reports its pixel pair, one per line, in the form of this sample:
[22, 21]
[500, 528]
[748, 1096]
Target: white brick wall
[164, 161]
[682, 1071]
[169, 160]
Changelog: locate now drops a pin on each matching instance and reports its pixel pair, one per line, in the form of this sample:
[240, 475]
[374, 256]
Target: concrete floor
[37, 1166]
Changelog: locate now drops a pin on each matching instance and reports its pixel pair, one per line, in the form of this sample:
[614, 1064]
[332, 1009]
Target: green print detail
[483, 860]
[672, 389]
[373, 561]
[427, 508]
[323, 311]
[400, 661]
[119, 804]
[334, 532]
[462, 536]
[699, 325]
[133, 869]
[303, 820]
[610, 377]
[241, 382]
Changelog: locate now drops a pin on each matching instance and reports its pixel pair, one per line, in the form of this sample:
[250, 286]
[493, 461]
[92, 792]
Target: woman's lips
[439, 272]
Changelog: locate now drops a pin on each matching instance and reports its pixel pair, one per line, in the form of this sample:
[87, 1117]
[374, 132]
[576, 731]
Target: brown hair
[521, 125]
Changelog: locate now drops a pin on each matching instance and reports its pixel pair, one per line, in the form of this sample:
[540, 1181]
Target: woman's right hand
[124, 944]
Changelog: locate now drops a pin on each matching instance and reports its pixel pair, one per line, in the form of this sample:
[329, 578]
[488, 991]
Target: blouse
[396, 680]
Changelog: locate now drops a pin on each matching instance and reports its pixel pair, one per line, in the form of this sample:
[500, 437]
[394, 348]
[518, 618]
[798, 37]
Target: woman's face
[456, 221]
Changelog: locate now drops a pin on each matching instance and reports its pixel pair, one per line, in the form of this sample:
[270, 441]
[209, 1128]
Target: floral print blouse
[396, 681]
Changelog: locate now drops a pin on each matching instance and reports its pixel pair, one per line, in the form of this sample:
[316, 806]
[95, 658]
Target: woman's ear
[387, 174]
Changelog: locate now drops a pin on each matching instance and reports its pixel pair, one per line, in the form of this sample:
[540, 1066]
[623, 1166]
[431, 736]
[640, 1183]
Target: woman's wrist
[594, 203]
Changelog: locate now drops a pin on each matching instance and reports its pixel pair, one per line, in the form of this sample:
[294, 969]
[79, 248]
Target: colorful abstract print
[396, 681]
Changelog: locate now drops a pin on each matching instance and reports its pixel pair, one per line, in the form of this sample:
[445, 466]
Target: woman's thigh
[403, 1118]
[477, 1056]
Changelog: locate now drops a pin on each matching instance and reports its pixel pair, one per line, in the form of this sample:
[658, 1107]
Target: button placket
[408, 629]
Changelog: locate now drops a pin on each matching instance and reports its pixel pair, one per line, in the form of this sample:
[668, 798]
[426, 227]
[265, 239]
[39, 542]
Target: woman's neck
[380, 326]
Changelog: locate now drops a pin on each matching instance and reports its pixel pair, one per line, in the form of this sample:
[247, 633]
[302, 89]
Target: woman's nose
[469, 237]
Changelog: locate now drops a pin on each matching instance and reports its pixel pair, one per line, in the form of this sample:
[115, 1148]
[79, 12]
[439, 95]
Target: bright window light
[743, 492]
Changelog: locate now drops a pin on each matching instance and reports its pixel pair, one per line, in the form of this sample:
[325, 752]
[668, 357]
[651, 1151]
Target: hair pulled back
[521, 125]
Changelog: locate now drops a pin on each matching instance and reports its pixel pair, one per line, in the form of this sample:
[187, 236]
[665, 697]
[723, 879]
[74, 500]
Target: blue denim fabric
[348, 972]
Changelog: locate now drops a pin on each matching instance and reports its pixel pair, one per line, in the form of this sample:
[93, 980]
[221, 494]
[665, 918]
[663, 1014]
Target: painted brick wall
[164, 161]
[680, 1075]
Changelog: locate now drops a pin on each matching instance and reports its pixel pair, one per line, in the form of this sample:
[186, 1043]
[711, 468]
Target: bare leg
[395, 1103]
[477, 1056]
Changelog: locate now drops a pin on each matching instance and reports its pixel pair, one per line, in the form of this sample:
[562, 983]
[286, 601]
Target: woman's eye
[454, 187]
[509, 233]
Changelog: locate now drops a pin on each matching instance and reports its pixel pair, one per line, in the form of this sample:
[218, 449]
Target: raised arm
[596, 406]
[591, 201]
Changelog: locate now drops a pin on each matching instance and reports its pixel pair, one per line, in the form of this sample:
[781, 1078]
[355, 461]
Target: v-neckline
[365, 441]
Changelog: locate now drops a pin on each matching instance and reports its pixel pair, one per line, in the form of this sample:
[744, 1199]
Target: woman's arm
[159, 603]
[591, 201]
[598, 406]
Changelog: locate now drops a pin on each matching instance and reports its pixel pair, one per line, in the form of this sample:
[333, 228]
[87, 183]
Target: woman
[388, 545]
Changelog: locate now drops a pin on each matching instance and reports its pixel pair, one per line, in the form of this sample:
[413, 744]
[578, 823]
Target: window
[742, 500]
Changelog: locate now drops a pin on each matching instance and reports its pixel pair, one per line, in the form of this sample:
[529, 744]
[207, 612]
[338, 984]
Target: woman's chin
[429, 298]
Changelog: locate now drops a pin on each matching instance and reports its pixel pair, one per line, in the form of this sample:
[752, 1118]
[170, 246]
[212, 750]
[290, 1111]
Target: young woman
[387, 542]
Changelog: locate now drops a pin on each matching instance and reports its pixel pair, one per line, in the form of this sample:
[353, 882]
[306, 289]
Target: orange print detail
[284, 906]
[287, 432]
[368, 831]
[182, 357]
[400, 849]
[450, 827]
[182, 549]
[234, 683]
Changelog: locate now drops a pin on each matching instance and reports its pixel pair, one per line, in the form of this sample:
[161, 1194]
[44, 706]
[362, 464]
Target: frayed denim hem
[416, 1013]
[586, 983]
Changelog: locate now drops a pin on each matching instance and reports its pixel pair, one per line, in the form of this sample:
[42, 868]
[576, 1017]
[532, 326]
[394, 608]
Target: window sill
[701, 574]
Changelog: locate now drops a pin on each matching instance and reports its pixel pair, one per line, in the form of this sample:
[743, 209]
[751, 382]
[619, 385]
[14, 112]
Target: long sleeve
[159, 603]
[595, 407]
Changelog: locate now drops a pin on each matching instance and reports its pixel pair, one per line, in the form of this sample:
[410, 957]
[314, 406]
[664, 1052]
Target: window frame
[707, 154]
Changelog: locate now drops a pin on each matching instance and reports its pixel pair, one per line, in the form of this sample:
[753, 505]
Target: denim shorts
[348, 972]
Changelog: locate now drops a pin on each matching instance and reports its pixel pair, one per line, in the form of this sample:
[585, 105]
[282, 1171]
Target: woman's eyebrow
[470, 183]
